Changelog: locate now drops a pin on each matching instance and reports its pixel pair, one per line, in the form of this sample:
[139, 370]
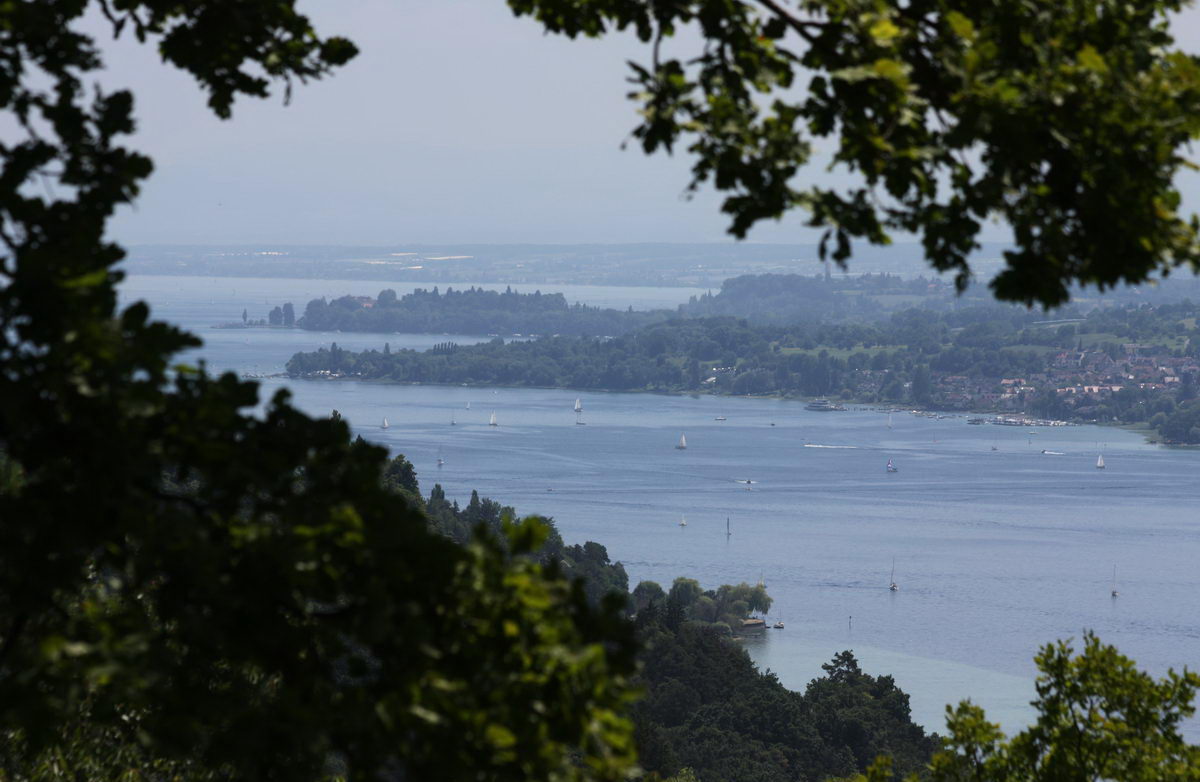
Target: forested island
[1124, 364]
[469, 311]
[706, 707]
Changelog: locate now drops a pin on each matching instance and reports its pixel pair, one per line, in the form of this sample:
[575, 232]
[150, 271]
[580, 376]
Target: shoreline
[1148, 433]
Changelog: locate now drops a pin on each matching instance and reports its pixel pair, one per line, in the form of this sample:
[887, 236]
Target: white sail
[682, 521]
[893, 586]
[1100, 462]
[468, 405]
[492, 420]
[578, 406]
[889, 420]
[682, 444]
[384, 425]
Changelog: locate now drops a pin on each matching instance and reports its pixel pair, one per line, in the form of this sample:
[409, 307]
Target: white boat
[578, 405]
[682, 444]
[384, 425]
[579, 413]
[1100, 462]
[492, 420]
[1114, 583]
[719, 418]
[892, 585]
[891, 467]
[682, 521]
[440, 461]
[468, 405]
[452, 422]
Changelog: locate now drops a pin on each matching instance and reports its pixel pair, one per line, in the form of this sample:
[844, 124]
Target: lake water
[996, 551]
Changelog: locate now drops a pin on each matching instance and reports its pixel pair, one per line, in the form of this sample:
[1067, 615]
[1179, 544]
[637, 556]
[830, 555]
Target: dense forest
[785, 299]
[1126, 364]
[469, 311]
[706, 707]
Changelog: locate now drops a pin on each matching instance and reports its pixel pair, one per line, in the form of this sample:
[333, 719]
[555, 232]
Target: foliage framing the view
[1065, 119]
[189, 590]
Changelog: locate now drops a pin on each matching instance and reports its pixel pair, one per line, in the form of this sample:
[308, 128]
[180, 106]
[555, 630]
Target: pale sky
[456, 123]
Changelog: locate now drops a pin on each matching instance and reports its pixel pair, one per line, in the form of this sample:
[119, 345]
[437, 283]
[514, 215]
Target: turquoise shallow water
[996, 552]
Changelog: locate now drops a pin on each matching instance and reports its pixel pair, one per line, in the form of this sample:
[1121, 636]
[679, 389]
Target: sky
[457, 123]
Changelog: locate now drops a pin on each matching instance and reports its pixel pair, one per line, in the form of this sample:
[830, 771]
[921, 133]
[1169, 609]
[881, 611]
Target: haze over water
[996, 552]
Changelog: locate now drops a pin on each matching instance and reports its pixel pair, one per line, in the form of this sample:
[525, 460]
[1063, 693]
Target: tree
[188, 588]
[1067, 120]
[922, 384]
[288, 315]
[245, 316]
[1098, 717]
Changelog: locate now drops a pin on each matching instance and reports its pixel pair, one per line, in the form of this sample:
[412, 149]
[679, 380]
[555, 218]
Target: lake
[996, 551]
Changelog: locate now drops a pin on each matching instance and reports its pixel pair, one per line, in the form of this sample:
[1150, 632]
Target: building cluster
[1079, 377]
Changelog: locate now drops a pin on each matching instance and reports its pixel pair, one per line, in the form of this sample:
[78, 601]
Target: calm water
[996, 552]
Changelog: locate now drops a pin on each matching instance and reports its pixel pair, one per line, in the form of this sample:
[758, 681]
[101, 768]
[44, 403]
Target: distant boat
[579, 413]
[719, 418]
[889, 420]
[891, 467]
[682, 521]
[452, 422]
[384, 425]
[727, 532]
[440, 461]
[682, 444]
[492, 420]
[578, 405]
[468, 405]
[1114, 583]
[778, 625]
[893, 586]
[1100, 462]
[994, 448]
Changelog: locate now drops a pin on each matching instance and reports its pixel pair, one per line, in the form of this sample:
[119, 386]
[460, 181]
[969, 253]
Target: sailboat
[492, 420]
[891, 467]
[682, 521]
[682, 444]
[468, 405]
[893, 586]
[578, 405]
[579, 413]
[1114, 584]
[440, 460]
[452, 422]
[727, 532]
[889, 420]
[384, 425]
[1100, 462]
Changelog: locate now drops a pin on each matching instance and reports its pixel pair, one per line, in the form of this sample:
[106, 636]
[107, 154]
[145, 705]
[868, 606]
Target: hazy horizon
[457, 123]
